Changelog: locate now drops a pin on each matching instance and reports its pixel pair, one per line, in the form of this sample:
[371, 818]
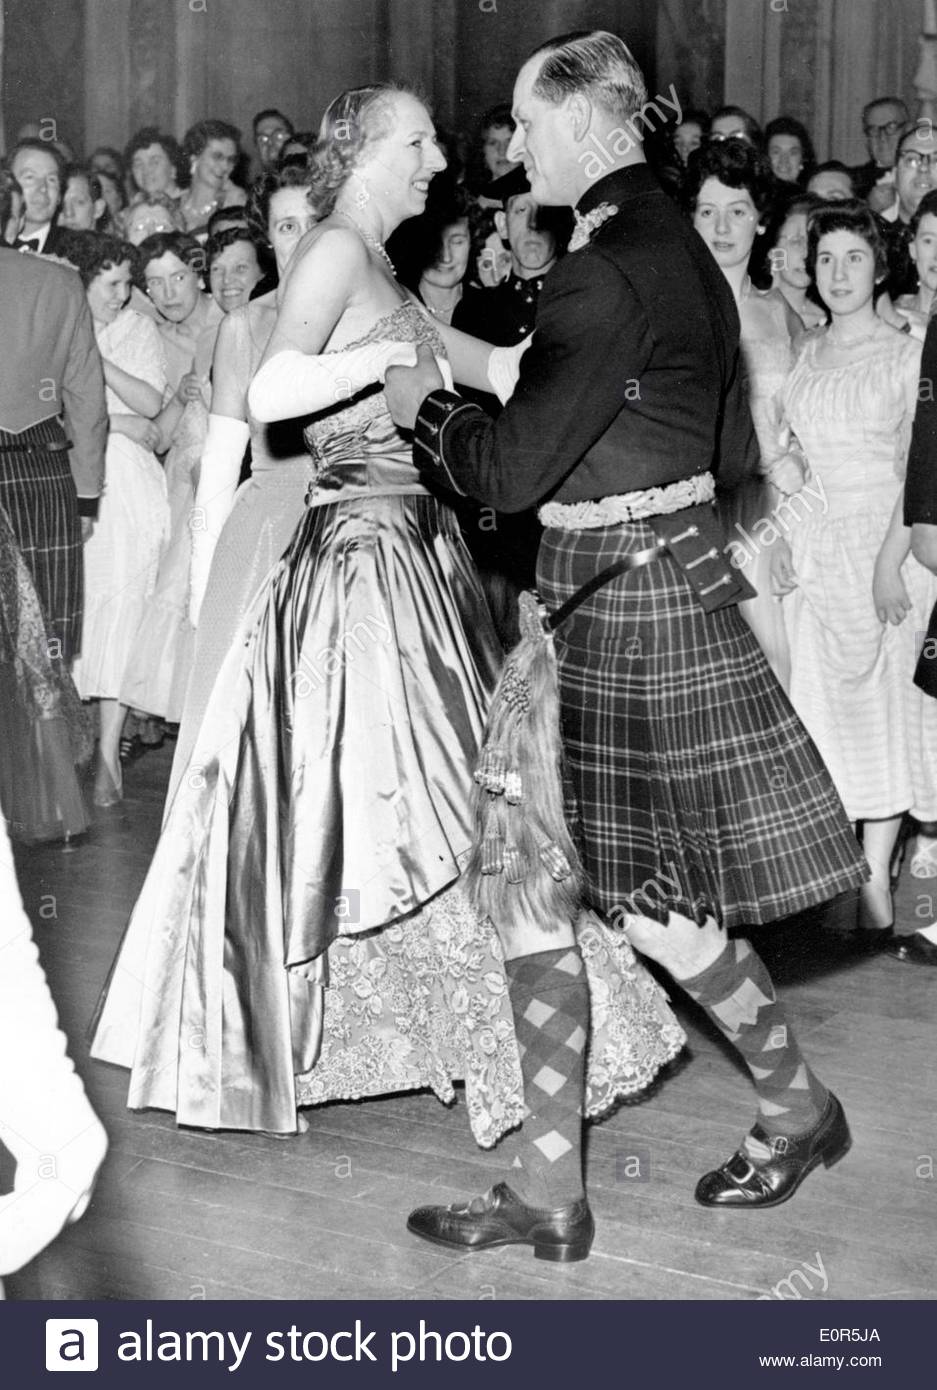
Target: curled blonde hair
[353, 121]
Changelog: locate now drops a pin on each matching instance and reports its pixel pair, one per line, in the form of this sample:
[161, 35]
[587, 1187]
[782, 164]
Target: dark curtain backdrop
[102, 68]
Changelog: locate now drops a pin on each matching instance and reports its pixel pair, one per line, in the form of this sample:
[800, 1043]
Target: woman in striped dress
[858, 601]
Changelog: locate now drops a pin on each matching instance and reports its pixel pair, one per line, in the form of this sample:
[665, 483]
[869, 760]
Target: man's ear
[579, 113]
[501, 225]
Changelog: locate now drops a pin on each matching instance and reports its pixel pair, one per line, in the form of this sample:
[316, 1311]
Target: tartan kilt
[37, 492]
[693, 786]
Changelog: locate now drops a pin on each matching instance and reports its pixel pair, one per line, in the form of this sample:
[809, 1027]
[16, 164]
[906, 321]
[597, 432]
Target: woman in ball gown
[234, 548]
[123, 553]
[302, 935]
[858, 599]
[729, 187]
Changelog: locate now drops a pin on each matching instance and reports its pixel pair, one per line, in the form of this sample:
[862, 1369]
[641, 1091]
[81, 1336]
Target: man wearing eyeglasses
[915, 175]
[271, 132]
[883, 120]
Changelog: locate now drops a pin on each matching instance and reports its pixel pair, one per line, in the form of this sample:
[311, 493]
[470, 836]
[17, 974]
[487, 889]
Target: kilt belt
[694, 538]
[52, 446]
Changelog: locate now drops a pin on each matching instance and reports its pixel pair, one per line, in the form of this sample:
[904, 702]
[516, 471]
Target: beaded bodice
[356, 448]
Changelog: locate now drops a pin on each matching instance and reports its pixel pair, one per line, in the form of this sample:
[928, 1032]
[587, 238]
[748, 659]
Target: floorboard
[180, 1213]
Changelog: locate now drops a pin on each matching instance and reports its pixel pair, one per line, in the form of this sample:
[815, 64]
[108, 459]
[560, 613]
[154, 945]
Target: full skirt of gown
[391, 981]
[302, 934]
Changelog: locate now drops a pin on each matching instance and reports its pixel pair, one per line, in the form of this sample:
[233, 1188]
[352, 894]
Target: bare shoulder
[235, 326]
[327, 249]
[260, 315]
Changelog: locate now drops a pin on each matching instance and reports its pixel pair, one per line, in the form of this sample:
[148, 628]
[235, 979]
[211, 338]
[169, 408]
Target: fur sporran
[524, 867]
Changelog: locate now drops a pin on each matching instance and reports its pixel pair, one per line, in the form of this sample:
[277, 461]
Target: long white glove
[504, 367]
[217, 481]
[296, 383]
[46, 1121]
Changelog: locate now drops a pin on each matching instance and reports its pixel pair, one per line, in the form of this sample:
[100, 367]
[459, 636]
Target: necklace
[444, 315]
[201, 209]
[376, 246]
[443, 312]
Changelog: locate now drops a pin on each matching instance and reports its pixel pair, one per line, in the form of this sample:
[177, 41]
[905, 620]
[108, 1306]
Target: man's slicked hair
[596, 63]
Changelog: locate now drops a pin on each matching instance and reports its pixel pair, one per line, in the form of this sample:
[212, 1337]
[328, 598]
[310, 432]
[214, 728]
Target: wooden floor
[180, 1214]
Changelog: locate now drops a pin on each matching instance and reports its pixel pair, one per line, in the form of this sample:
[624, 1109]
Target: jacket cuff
[434, 417]
[88, 506]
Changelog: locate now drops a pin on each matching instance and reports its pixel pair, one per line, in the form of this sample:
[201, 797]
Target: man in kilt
[50, 368]
[700, 802]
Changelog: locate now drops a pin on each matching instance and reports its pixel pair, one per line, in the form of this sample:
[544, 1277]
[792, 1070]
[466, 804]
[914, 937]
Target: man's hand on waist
[407, 387]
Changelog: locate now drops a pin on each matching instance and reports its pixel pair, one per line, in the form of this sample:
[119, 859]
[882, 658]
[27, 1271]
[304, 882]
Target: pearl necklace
[203, 210]
[376, 246]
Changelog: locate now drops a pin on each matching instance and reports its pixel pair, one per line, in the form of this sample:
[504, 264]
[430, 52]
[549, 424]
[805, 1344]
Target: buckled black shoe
[746, 1182]
[500, 1217]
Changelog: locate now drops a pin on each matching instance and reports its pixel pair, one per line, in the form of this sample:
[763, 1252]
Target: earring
[363, 196]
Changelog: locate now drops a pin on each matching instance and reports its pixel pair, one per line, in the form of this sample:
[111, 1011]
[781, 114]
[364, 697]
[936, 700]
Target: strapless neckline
[376, 331]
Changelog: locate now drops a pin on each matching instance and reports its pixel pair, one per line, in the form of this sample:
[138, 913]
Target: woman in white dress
[122, 554]
[858, 599]
[188, 328]
[729, 187]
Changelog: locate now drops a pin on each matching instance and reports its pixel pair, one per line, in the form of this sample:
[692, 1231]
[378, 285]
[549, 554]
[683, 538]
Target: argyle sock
[737, 994]
[550, 998]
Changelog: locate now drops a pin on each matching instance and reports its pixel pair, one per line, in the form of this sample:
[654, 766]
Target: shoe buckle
[741, 1178]
[780, 1144]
